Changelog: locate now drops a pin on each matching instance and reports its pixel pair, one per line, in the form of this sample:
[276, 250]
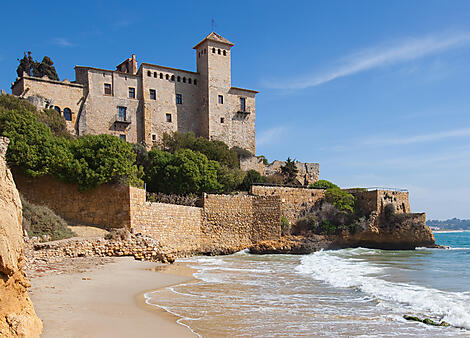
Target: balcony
[244, 111]
[120, 119]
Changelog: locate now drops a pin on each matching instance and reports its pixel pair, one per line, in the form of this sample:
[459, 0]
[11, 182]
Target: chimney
[133, 65]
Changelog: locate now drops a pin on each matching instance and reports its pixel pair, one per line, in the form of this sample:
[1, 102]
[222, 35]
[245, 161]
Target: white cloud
[63, 42]
[405, 50]
[270, 136]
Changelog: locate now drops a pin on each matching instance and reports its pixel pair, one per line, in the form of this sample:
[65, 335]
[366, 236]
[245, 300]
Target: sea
[349, 293]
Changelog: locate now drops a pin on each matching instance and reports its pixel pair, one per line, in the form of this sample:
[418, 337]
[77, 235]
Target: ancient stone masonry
[139, 104]
[375, 200]
[308, 173]
[17, 315]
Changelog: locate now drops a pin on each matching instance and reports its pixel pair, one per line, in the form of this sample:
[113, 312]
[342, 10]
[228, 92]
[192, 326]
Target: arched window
[149, 73]
[67, 114]
[189, 80]
[195, 82]
[57, 109]
[161, 75]
[178, 78]
[225, 53]
[167, 76]
[213, 50]
[172, 78]
[155, 74]
[218, 51]
[184, 80]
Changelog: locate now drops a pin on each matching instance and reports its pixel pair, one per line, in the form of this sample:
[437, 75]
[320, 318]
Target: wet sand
[107, 300]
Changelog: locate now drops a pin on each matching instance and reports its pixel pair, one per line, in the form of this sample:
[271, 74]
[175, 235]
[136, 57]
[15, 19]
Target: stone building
[140, 104]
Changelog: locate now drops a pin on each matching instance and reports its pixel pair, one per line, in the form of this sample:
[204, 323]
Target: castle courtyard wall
[376, 200]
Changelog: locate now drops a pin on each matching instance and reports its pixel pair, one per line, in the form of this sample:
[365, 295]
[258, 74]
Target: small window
[153, 94]
[242, 104]
[184, 80]
[221, 99]
[172, 78]
[122, 137]
[149, 73]
[155, 74]
[218, 51]
[178, 79]
[225, 53]
[167, 76]
[195, 82]
[107, 89]
[179, 99]
[199, 54]
[161, 75]
[189, 80]
[57, 109]
[67, 114]
[131, 92]
[122, 113]
[168, 117]
[154, 137]
[213, 50]
[222, 120]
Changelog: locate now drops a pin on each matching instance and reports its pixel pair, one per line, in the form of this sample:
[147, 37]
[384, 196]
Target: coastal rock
[292, 245]
[17, 315]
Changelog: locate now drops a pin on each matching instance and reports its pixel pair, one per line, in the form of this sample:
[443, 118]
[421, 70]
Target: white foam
[335, 268]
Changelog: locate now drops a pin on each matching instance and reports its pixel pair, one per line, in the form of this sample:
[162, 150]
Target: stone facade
[308, 173]
[375, 200]
[293, 201]
[141, 104]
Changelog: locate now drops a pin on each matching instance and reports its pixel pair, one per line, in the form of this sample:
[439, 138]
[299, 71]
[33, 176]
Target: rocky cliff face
[17, 316]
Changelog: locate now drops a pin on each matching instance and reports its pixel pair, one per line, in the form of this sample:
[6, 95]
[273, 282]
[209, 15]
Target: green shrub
[323, 184]
[342, 200]
[41, 221]
[285, 225]
[251, 177]
[230, 179]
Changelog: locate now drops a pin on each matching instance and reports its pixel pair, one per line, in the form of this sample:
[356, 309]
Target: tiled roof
[214, 37]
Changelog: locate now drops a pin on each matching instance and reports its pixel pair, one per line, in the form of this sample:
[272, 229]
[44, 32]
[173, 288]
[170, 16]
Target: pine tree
[26, 65]
[37, 69]
[289, 171]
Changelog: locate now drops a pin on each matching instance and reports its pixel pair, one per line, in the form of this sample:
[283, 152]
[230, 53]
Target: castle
[140, 104]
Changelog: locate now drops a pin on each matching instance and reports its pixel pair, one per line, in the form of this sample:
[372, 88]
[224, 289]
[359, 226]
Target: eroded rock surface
[17, 316]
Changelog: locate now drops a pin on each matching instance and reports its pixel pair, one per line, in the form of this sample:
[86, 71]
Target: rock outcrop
[17, 316]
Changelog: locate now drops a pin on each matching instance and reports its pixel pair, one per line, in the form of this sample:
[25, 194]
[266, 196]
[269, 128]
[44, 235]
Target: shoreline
[107, 300]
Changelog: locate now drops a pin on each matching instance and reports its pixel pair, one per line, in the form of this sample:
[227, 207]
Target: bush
[251, 177]
[342, 200]
[323, 184]
[190, 200]
[285, 225]
[41, 221]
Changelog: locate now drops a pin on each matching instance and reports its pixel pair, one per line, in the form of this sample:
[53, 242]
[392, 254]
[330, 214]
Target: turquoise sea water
[350, 292]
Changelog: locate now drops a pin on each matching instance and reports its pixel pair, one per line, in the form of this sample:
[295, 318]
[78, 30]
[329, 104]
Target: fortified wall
[376, 200]
[308, 173]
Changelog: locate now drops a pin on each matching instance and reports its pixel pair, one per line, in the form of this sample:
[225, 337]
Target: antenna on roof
[213, 26]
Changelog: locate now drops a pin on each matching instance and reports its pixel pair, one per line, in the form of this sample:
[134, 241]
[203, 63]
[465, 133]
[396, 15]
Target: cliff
[17, 316]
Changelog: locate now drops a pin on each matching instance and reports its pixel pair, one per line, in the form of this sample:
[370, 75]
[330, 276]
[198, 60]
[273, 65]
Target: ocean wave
[343, 269]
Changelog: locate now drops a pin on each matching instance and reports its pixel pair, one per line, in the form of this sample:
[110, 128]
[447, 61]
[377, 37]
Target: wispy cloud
[63, 42]
[386, 54]
[391, 141]
[269, 136]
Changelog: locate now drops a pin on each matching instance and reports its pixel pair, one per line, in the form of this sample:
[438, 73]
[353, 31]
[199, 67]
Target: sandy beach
[105, 300]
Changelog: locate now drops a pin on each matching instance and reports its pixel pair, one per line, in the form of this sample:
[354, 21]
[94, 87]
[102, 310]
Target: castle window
[154, 137]
[242, 104]
[153, 94]
[122, 137]
[161, 75]
[168, 117]
[222, 120]
[149, 73]
[218, 51]
[178, 78]
[213, 50]
[155, 74]
[172, 78]
[184, 80]
[179, 99]
[199, 54]
[131, 92]
[225, 53]
[195, 82]
[221, 99]
[67, 114]
[122, 113]
[167, 76]
[189, 80]
[57, 109]
[107, 89]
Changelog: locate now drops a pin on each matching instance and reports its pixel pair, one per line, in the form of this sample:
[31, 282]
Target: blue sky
[377, 92]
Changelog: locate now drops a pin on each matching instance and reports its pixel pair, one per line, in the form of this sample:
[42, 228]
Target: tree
[26, 65]
[342, 200]
[251, 177]
[289, 171]
[35, 68]
[323, 184]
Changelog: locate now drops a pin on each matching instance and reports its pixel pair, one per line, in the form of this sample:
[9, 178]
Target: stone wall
[293, 201]
[308, 173]
[178, 227]
[234, 222]
[106, 206]
[376, 200]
